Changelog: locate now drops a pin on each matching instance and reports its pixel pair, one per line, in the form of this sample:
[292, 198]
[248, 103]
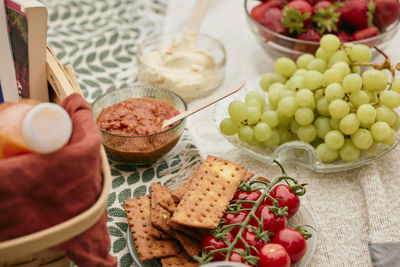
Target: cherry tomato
[213, 243]
[293, 241]
[271, 222]
[273, 255]
[232, 218]
[285, 197]
[251, 195]
[251, 239]
[236, 257]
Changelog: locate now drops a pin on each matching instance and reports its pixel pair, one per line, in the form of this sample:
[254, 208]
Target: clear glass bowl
[278, 45]
[205, 42]
[294, 152]
[140, 149]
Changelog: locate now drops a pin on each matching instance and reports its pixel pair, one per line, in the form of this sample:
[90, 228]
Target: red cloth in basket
[40, 191]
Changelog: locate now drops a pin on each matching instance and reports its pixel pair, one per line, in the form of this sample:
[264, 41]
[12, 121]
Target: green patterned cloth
[99, 39]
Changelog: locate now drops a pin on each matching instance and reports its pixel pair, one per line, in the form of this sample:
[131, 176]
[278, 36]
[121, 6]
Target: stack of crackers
[170, 224]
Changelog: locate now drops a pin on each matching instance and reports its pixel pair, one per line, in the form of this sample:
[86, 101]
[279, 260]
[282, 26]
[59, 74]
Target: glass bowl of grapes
[291, 28]
[325, 114]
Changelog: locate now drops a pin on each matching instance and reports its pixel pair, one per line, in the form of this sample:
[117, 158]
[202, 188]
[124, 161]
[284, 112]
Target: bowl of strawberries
[291, 28]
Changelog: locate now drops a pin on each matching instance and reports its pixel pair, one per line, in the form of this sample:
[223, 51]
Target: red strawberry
[311, 2]
[386, 12]
[365, 33]
[272, 19]
[260, 9]
[297, 16]
[358, 13]
[343, 36]
[326, 17]
[310, 35]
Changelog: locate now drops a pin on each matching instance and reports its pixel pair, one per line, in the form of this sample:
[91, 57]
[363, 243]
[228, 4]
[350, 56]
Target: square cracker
[210, 192]
[157, 234]
[138, 214]
[189, 231]
[178, 193]
[162, 196]
[181, 260]
[160, 217]
[191, 246]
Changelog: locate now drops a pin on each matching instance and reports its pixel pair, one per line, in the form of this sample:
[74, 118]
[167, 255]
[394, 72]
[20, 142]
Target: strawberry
[311, 2]
[297, 15]
[359, 13]
[343, 36]
[326, 17]
[310, 34]
[365, 33]
[260, 9]
[386, 12]
[272, 19]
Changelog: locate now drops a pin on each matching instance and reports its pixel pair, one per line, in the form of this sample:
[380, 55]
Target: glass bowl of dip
[123, 117]
[191, 66]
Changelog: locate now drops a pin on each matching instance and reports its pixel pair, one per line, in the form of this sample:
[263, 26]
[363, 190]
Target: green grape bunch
[336, 100]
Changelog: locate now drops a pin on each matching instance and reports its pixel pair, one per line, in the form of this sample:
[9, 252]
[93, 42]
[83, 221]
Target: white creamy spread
[181, 67]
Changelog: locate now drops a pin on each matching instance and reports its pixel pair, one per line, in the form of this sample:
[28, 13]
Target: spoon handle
[199, 10]
[201, 106]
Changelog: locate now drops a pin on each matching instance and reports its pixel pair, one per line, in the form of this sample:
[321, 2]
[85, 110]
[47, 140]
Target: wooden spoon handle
[198, 13]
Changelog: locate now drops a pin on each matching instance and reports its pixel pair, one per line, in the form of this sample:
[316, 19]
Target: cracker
[182, 259]
[162, 196]
[178, 193]
[157, 234]
[138, 214]
[192, 232]
[210, 192]
[160, 217]
[191, 246]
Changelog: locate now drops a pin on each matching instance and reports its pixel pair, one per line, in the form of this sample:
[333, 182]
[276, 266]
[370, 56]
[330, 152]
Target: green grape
[323, 106]
[385, 114]
[295, 82]
[338, 108]
[268, 107]
[360, 53]
[246, 133]
[262, 132]
[374, 80]
[300, 72]
[349, 124]
[255, 95]
[254, 142]
[373, 97]
[334, 139]
[274, 95]
[322, 126]
[362, 139]
[373, 147]
[335, 123]
[285, 136]
[287, 92]
[391, 139]
[284, 120]
[343, 67]
[356, 69]
[252, 102]
[254, 115]
[238, 111]
[307, 133]
[270, 78]
[294, 126]
[380, 131]
[285, 66]
[304, 98]
[318, 94]
[352, 83]
[332, 76]
[326, 154]
[270, 117]
[349, 152]
[396, 124]
[317, 64]
[366, 114]
[330, 42]
[359, 98]
[323, 54]
[303, 60]
[277, 85]
[338, 56]
[304, 116]
[274, 140]
[313, 80]
[396, 85]
[334, 91]
[287, 106]
[228, 127]
[390, 98]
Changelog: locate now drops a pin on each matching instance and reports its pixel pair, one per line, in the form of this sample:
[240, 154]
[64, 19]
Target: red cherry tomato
[251, 196]
[273, 255]
[213, 243]
[251, 239]
[293, 241]
[232, 218]
[236, 257]
[271, 222]
[285, 198]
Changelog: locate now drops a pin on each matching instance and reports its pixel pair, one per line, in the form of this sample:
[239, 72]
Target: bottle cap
[46, 128]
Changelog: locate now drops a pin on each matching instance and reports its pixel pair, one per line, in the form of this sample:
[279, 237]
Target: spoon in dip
[199, 10]
[201, 106]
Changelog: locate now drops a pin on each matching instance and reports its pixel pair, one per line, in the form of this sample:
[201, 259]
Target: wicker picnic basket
[33, 249]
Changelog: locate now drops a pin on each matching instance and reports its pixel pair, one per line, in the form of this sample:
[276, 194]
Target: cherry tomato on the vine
[293, 241]
[271, 222]
[251, 196]
[273, 255]
[212, 243]
[251, 239]
[285, 198]
[236, 257]
[232, 218]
